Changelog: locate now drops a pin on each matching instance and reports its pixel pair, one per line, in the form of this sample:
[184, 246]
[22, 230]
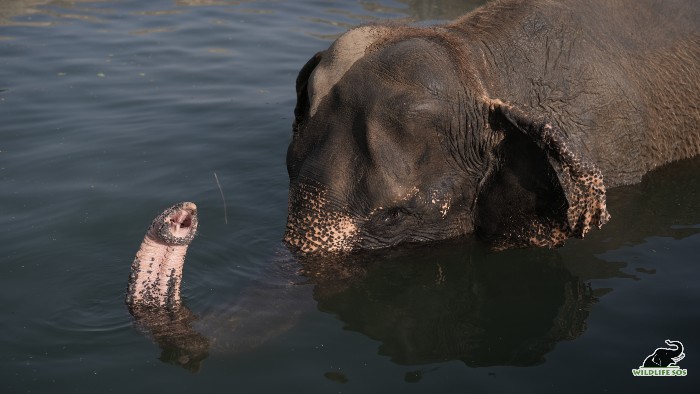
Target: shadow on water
[460, 302]
[173, 331]
[426, 305]
[446, 302]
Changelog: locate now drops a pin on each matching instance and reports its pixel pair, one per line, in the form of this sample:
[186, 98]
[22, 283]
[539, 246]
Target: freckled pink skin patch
[156, 273]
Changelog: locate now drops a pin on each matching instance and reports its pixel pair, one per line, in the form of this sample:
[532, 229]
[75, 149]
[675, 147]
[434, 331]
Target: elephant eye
[395, 214]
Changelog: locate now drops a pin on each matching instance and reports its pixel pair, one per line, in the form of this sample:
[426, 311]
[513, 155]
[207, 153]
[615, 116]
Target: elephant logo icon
[663, 361]
[665, 357]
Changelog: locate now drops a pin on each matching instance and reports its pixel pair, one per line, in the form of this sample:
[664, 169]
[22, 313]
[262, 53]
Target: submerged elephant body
[510, 122]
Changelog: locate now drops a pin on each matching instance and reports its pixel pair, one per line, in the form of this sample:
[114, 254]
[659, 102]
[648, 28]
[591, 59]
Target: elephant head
[664, 357]
[397, 140]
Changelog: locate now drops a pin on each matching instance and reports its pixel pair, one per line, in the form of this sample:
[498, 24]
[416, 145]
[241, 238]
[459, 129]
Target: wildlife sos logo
[663, 361]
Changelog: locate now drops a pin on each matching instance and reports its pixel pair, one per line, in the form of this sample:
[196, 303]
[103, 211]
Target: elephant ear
[549, 190]
[302, 84]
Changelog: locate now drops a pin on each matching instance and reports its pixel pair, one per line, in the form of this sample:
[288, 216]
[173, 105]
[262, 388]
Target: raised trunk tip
[156, 273]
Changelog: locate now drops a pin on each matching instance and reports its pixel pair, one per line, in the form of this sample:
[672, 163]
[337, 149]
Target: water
[114, 110]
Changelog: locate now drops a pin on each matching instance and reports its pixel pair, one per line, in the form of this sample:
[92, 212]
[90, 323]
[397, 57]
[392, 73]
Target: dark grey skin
[664, 357]
[511, 123]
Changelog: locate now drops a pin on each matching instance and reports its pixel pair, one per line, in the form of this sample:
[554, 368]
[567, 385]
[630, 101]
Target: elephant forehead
[338, 59]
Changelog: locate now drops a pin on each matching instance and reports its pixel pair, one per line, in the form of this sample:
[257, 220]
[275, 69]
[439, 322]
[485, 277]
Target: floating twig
[222, 197]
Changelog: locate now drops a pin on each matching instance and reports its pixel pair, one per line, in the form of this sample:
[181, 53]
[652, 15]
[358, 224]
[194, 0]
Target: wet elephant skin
[511, 123]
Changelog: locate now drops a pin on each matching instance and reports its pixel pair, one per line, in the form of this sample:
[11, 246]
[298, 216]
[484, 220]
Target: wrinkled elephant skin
[511, 123]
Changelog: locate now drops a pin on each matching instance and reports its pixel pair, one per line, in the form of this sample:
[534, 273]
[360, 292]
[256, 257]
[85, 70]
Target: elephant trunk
[156, 272]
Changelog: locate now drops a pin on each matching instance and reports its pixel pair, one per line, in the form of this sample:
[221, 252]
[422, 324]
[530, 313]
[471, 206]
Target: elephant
[510, 123]
[665, 357]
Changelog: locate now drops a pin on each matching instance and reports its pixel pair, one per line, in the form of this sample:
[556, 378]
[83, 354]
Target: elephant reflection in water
[456, 302]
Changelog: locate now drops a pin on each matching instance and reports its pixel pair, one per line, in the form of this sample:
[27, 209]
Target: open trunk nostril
[156, 272]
